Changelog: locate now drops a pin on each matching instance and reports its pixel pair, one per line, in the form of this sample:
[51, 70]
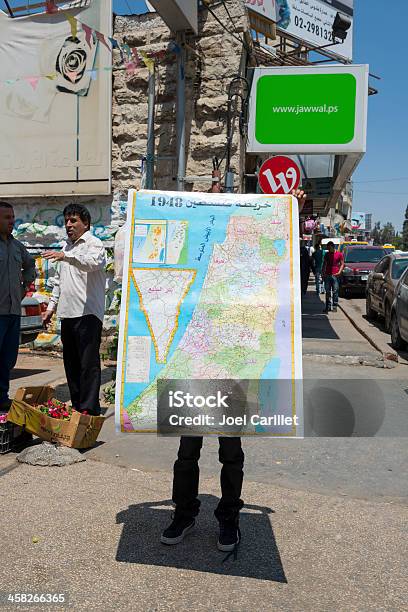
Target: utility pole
[242, 94]
[150, 130]
[9, 8]
[181, 112]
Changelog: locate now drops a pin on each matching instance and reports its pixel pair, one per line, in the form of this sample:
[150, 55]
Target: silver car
[399, 314]
[381, 284]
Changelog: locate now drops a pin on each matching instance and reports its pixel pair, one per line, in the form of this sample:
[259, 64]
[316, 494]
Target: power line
[224, 2]
[391, 193]
[238, 38]
[403, 178]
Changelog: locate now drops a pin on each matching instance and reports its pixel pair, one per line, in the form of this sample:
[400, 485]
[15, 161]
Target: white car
[31, 320]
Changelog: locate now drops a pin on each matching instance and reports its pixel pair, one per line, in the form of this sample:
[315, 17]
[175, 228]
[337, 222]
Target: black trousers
[81, 340]
[187, 473]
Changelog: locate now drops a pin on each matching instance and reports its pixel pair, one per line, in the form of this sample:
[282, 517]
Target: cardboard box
[81, 431]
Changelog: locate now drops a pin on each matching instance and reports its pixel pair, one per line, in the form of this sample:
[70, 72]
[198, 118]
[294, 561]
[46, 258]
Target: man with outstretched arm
[79, 293]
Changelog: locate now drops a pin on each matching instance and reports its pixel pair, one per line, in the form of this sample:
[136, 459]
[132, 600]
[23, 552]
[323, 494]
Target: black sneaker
[334, 308]
[174, 534]
[326, 310]
[229, 537]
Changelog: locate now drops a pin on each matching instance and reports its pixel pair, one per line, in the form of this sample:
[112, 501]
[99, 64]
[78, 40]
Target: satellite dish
[149, 7]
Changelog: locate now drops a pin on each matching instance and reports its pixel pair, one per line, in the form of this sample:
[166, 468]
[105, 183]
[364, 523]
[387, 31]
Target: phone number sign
[312, 21]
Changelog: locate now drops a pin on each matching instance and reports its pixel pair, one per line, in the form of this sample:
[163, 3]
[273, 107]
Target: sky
[380, 40]
[381, 179]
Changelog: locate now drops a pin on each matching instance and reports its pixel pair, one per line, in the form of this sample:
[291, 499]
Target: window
[405, 278]
[382, 267]
[356, 255]
[398, 267]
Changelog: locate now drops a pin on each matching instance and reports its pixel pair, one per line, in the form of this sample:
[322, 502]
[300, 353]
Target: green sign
[315, 108]
[308, 110]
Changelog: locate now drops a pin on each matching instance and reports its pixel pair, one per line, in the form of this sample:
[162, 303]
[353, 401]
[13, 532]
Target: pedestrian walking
[317, 258]
[304, 269]
[17, 272]
[79, 295]
[333, 266]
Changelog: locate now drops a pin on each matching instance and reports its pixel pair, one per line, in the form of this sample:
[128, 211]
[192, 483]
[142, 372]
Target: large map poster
[211, 291]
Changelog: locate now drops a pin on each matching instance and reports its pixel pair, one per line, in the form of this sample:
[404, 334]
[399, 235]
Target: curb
[359, 360]
[390, 358]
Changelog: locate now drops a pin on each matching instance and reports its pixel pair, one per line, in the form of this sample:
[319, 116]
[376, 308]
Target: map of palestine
[227, 310]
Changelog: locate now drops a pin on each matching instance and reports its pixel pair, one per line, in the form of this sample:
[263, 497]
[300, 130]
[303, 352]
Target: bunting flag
[50, 7]
[33, 80]
[130, 67]
[175, 47]
[102, 39]
[88, 33]
[125, 47]
[135, 57]
[149, 63]
[131, 57]
[160, 55]
[73, 23]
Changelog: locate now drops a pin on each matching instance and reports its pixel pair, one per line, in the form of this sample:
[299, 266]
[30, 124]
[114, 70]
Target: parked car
[390, 248]
[336, 241]
[353, 243]
[381, 285]
[399, 314]
[31, 320]
[359, 262]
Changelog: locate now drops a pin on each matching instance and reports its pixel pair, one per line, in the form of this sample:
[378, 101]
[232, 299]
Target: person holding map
[186, 482]
[79, 293]
[185, 491]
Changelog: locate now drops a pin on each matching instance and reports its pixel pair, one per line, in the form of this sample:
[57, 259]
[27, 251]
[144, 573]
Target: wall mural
[41, 228]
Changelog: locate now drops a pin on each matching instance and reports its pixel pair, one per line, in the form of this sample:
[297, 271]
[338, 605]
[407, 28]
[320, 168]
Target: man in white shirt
[79, 293]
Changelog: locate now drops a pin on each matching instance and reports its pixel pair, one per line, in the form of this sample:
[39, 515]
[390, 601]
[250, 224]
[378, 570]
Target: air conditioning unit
[178, 15]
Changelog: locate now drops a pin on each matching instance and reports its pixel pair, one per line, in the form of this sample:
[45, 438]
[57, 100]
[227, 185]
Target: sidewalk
[332, 334]
[373, 330]
[323, 521]
[98, 530]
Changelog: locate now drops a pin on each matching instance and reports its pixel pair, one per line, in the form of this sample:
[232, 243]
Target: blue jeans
[9, 342]
[319, 280]
[331, 283]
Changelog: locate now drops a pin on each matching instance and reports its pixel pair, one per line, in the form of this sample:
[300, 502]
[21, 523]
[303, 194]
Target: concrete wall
[213, 58]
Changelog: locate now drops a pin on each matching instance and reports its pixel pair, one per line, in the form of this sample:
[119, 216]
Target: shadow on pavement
[258, 554]
[23, 373]
[62, 391]
[315, 324]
